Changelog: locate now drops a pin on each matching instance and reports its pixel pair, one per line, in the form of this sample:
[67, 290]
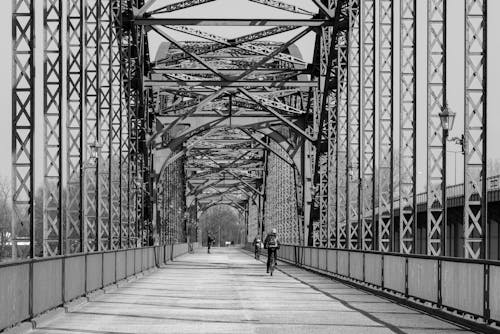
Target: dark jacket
[268, 239]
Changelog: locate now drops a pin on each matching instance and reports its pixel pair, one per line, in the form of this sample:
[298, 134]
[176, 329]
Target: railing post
[63, 279]
[486, 293]
[439, 287]
[406, 276]
[382, 273]
[30, 304]
[85, 273]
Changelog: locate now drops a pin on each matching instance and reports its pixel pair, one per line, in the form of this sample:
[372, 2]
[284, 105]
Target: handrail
[7, 263]
[399, 277]
[414, 256]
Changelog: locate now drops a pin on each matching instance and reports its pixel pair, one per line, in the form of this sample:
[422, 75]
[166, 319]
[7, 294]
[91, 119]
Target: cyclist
[257, 244]
[272, 244]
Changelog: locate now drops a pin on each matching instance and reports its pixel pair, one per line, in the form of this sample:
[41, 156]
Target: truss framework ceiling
[219, 101]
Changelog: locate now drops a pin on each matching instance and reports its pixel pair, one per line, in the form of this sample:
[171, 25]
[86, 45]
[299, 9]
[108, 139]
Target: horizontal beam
[232, 22]
[262, 71]
[236, 84]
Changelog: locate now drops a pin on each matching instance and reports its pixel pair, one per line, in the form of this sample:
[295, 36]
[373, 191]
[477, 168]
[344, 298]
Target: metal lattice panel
[115, 165]
[342, 141]
[91, 124]
[23, 73]
[74, 125]
[408, 123]
[132, 106]
[323, 200]
[353, 126]
[368, 124]
[332, 160]
[52, 79]
[104, 129]
[281, 204]
[386, 176]
[475, 208]
[123, 42]
[436, 99]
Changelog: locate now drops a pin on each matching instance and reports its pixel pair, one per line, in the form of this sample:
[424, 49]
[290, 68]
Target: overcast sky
[246, 9]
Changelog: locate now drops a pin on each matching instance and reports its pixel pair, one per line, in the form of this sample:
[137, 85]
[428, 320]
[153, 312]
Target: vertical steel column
[475, 208]
[332, 161]
[132, 101]
[408, 124]
[297, 234]
[386, 139]
[115, 165]
[168, 203]
[74, 125]
[323, 200]
[290, 199]
[342, 140]
[367, 151]
[125, 184]
[353, 126]
[328, 71]
[23, 113]
[104, 98]
[436, 99]
[52, 102]
[91, 124]
[325, 40]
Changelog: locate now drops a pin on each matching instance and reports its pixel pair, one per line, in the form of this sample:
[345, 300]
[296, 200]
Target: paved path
[229, 292]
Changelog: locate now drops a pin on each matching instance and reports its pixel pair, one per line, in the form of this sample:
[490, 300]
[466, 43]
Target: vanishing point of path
[229, 292]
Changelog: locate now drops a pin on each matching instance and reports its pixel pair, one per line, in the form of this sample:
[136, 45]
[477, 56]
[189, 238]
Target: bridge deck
[229, 292]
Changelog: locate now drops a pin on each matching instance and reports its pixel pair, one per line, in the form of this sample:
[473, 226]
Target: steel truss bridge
[137, 146]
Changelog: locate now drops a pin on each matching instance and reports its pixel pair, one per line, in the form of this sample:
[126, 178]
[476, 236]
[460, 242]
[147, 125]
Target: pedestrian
[272, 244]
[210, 240]
[257, 244]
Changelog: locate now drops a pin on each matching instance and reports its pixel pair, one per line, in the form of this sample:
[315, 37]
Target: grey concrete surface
[229, 292]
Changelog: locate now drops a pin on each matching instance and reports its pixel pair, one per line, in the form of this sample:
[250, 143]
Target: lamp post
[447, 118]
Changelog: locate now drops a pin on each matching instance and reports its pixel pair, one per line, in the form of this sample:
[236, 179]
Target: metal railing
[456, 288]
[31, 287]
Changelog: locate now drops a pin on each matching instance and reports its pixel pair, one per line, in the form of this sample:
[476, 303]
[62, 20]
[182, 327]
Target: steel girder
[342, 173]
[52, 77]
[353, 126]
[104, 101]
[74, 125]
[23, 76]
[408, 124]
[386, 137]
[367, 128]
[475, 208]
[436, 144]
[92, 126]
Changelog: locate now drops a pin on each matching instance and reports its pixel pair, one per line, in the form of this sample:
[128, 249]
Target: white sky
[246, 9]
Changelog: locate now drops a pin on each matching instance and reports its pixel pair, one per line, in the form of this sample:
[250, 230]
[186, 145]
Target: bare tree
[5, 217]
[223, 219]
[493, 168]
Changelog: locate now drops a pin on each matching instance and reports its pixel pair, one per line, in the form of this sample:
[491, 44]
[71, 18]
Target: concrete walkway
[229, 292]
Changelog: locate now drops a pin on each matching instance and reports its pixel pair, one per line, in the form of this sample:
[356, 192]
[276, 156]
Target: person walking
[272, 244]
[257, 244]
[210, 241]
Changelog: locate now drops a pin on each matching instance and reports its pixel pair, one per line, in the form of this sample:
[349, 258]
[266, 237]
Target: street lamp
[447, 118]
[350, 171]
[94, 152]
